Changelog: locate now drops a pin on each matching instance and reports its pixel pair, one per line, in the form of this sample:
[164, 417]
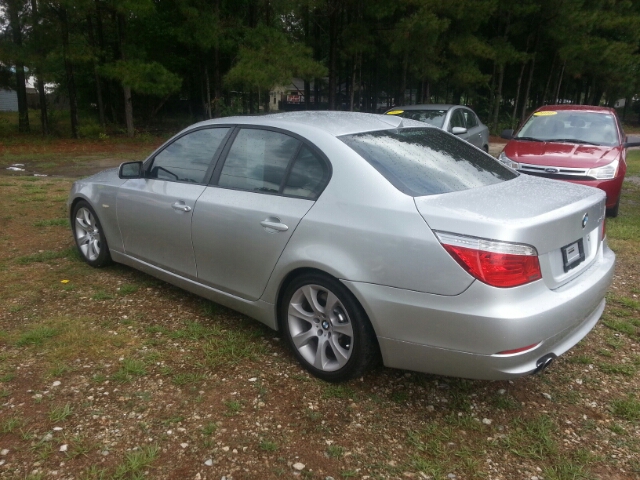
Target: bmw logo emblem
[585, 219]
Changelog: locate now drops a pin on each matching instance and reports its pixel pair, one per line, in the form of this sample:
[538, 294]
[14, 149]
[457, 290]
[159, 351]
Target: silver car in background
[358, 237]
[459, 120]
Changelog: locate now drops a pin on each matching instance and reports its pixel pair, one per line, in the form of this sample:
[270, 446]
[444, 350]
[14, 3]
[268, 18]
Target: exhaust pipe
[543, 362]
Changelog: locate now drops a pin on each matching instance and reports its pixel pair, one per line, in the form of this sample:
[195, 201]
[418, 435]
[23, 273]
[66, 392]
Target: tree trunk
[13, 8]
[525, 103]
[557, 95]
[546, 88]
[208, 90]
[333, 51]
[95, 74]
[126, 89]
[44, 116]
[496, 110]
[68, 68]
[515, 102]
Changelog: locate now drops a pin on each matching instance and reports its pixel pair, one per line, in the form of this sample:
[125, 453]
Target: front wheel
[88, 234]
[327, 328]
[613, 211]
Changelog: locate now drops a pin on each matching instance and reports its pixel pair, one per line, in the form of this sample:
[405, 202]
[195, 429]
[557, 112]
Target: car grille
[559, 173]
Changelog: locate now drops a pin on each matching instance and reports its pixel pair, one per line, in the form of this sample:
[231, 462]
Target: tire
[485, 148]
[327, 328]
[89, 236]
[613, 211]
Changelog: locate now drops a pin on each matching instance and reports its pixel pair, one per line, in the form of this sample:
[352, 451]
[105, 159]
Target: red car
[577, 143]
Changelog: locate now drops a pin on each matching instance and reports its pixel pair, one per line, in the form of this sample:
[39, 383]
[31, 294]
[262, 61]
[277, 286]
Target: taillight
[499, 264]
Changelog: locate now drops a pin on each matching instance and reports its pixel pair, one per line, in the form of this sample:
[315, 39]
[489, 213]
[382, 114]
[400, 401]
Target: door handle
[180, 206]
[273, 225]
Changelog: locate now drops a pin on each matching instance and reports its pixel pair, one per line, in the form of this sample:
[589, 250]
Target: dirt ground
[111, 374]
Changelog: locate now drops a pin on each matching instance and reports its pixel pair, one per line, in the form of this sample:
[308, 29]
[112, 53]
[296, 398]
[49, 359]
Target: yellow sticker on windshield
[395, 112]
[544, 114]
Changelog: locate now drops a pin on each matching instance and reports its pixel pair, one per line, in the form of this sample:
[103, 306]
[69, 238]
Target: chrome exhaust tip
[543, 362]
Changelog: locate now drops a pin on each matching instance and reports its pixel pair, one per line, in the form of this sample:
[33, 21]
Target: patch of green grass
[46, 256]
[101, 295]
[622, 326]
[233, 407]
[268, 446]
[618, 368]
[209, 429]
[60, 413]
[7, 377]
[128, 369]
[52, 222]
[59, 369]
[195, 331]
[229, 348]
[37, 336]
[335, 451]
[94, 473]
[626, 408]
[10, 424]
[189, 378]
[532, 438]
[128, 289]
[337, 391]
[581, 359]
[135, 462]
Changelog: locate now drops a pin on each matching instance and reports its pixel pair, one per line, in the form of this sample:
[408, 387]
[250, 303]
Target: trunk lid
[546, 214]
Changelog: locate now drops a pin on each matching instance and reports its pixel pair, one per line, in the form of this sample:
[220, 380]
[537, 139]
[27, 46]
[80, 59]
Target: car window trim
[215, 178]
[148, 163]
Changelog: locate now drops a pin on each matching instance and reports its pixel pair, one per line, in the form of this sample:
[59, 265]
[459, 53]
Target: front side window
[470, 118]
[189, 158]
[457, 120]
[258, 160]
[427, 161]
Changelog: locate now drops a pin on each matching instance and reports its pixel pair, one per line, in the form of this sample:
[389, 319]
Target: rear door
[269, 180]
[155, 212]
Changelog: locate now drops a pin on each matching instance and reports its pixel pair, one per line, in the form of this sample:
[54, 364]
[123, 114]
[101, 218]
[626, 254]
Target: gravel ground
[111, 374]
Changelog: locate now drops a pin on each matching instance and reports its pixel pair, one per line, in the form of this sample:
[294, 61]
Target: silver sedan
[457, 119]
[360, 237]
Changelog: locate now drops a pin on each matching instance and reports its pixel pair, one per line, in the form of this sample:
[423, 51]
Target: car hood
[560, 154]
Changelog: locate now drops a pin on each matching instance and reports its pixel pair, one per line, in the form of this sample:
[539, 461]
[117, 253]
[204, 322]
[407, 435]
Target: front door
[155, 212]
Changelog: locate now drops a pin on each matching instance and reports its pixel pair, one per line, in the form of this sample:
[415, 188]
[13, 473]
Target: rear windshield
[427, 161]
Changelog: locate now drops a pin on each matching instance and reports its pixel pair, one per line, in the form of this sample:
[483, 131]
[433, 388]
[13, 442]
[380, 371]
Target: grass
[38, 335]
[129, 369]
[60, 413]
[135, 462]
[626, 408]
[47, 256]
[53, 222]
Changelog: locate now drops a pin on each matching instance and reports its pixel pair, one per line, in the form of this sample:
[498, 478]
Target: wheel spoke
[320, 361]
[341, 354]
[303, 338]
[343, 328]
[296, 310]
[332, 302]
[311, 294]
[80, 222]
[95, 248]
[84, 240]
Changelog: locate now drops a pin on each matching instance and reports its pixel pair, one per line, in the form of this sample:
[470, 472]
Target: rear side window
[258, 161]
[307, 176]
[427, 161]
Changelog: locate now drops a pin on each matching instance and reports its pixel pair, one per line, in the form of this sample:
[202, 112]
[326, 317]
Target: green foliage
[149, 78]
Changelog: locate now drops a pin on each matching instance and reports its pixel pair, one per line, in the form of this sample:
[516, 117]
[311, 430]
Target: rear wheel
[327, 328]
[88, 234]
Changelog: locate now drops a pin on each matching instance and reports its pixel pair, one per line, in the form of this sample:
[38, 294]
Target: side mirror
[129, 170]
[630, 144]
[507, 134]
[458, 130]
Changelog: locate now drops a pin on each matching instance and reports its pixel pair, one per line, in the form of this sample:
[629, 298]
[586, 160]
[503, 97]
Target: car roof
[332, 122]
[426, 106]
[576, 108]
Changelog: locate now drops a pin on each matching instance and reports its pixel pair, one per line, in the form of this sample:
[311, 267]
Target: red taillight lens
[498, 264]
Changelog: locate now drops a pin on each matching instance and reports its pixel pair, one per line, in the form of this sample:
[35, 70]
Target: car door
[474, 131]
[269, 180]
[155, 212]
[457, 120]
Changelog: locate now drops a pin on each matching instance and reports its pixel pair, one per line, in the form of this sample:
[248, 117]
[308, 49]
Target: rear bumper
[461, 335]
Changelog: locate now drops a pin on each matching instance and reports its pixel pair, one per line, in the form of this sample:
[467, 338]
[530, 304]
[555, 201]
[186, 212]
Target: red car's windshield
[571, 127]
